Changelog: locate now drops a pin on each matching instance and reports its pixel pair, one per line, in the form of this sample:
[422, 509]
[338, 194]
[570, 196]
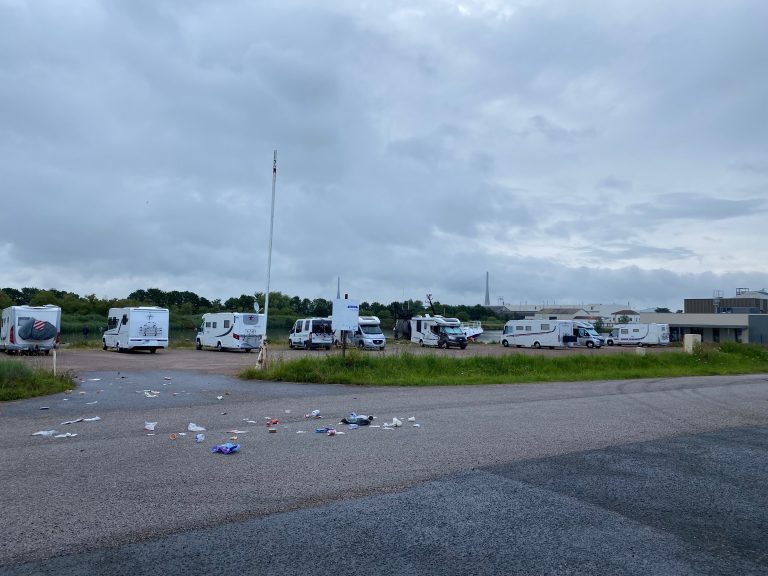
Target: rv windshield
[368, 329]
[453, 330]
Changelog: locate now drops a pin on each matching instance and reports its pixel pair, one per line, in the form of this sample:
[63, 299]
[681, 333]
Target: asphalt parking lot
[631, 477]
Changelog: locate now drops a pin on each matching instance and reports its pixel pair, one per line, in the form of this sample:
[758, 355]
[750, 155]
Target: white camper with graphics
[368, 335]
[136, 328]
[231, 331]
[30, 329]
[534, 333]
[639, 335]
[437, 331]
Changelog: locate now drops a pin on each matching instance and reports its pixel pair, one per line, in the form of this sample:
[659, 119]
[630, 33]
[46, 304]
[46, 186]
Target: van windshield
[322, 327]
[368, 329]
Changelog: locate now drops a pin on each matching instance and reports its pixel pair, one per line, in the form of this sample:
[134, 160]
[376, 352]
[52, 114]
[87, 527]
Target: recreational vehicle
[231, 331]
[437, 331]
[550, 334]
[136, 328]
[311, 333]
[30, 329]
[367, 336]
[639, 335]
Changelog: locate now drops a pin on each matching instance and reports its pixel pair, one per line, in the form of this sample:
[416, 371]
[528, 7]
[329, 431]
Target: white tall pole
[271, 229]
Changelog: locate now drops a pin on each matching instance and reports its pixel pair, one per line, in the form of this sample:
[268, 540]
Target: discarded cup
[199, 438]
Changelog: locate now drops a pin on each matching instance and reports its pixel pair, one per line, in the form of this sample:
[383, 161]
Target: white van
[367, 336]
[639, 335]
[550, 334]
[136, 328]
[30, 329]
[311, 333]
[231, 331]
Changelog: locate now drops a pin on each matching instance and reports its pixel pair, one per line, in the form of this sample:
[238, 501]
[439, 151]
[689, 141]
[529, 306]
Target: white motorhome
[639, 335]
[367, 336]
[311, 333]
[231, 331]
[136, 328]
[437, 331]
[550, 334]
[30, 329]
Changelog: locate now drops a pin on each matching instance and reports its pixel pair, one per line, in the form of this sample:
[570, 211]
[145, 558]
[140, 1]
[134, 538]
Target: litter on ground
[65, 435]
[228, 448]
[47, 433]
[195, 428]
[150, 426]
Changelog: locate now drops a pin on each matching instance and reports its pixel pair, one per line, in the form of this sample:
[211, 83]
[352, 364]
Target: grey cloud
[682, 206]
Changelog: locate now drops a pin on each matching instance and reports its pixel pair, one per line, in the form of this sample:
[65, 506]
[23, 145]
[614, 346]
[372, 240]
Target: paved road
[632, 477]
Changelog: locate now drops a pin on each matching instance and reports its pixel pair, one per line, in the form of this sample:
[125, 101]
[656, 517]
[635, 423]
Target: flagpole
[271, 230]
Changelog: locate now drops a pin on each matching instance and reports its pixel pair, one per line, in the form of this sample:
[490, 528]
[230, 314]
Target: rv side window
[521, 328]
[306, 325]
[528, 328]
[207, 324]
[226, 323]
[214, 324]
[635, 329]
[545, 326]
[624, 331]
[125, 318]
[112, 322]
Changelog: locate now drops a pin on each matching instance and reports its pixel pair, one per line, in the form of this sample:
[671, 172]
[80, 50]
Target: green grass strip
[19, 381]
[434, 370]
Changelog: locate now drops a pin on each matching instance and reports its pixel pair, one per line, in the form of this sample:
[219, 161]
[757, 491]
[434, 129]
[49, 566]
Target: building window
[715, 334]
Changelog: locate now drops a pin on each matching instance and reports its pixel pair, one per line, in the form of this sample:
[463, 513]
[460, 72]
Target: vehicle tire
[462, 346]
[610, 342]
[361, 344]
[328, 347]
[152, 350]
[103, 344]
[536, 345]
[290, 343]
[198, 345]
[421, 343]
[47, 352]
[117, 345]
[590, 344]
[218, 347]
[505, 343]
[306, 345]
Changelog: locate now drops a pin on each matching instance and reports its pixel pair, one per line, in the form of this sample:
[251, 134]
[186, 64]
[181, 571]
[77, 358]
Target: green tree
[663, 311]
[623, 319]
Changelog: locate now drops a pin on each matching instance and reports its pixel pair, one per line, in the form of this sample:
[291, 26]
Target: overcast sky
[579, 152]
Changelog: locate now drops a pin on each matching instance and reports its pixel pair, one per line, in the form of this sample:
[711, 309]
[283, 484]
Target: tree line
[188, 304]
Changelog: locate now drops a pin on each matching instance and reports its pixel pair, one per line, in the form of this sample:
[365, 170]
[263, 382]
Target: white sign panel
[346, 314]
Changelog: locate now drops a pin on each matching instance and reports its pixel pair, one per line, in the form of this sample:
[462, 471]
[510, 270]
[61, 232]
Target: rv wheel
[462, 346]
[103, 344]
[421, 343]
[361, 344]
[290, 344]
[306, 344]
[590, 344]
[198, 345]
[505, 343]
[536, 345]
[218, 347]
[152, 350]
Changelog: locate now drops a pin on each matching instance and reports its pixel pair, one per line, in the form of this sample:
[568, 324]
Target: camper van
[30, 329]
[136, 328]
[231, 331]
[311, 333]
[534, 333]
[639, 335]
[367, 336]
[437, 331]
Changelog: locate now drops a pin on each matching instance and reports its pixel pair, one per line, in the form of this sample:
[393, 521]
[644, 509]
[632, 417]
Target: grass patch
[433, 370]
[19, 381]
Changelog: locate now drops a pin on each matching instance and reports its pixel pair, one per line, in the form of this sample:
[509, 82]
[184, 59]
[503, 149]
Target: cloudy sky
[579, 152]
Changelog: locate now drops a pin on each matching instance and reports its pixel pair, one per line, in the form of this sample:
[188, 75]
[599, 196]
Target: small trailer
[30, 329]
[639, 335]
[136, 328]
[550, 334]
[231, 331]
[437, 331]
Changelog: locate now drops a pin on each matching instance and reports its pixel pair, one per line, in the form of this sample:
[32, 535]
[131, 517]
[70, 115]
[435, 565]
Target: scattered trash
[287, 411]
[322, 430]
[360, 419]
[47, 433]
[249, 421]
[72, 421]
[65, 435]
[199, 438]
[273, 422]
[91, 403]
[195, 428]
[412, 419]
[272, 430]
[67, 391]
[82, 392]
[93, 379]
[182, 433]
[219, 397]
[354, 426]
[331, 432]
[150, 426]
[166, 377]
[301, 431]
[313, 414]
[94, 419]
[172, 436]
[44, 408]
[237, 431]
[233, 438]
[394, 424]
[150, 393]
[228, 448]
[417, 425]
[223, 413]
